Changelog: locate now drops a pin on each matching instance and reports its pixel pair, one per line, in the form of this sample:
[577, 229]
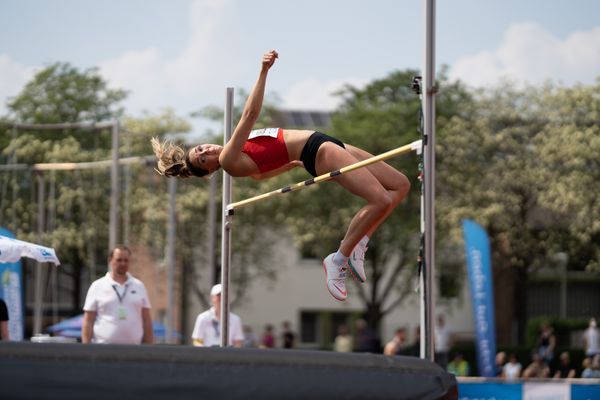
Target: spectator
[586, 367]
[288, 337]
[512, 369]
[207, 329]
[564, 368]
[268, 337]
[591, 338]
[458, 366]
[366, 339]
[397, 345]
[538, 367]
[546, 343]
[4, 335]
[343, 340]
[250, 338]
[443, 342]
[500, 362]
[591, 368]
[117, 308]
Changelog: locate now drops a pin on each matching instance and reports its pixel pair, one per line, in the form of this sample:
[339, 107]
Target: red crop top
[267, 149]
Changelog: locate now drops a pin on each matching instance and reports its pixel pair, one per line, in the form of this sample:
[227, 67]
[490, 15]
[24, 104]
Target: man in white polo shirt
[207, 329]
[117, 308]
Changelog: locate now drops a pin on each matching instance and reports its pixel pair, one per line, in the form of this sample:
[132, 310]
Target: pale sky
[184, 53]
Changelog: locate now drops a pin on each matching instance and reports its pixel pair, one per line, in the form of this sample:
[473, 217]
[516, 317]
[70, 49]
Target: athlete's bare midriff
[295, 139]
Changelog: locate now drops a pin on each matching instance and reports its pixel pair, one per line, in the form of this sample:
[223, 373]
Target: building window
[338, 319]
[308, 327]
[449, 285]
[320, 327]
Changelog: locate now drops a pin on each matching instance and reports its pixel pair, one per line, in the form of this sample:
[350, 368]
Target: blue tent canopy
[73, 323]
[71, 327]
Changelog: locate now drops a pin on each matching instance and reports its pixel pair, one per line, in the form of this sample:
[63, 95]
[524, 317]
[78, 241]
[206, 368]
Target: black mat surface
[76, 371]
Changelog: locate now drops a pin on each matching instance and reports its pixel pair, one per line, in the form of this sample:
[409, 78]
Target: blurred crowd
[544, 362]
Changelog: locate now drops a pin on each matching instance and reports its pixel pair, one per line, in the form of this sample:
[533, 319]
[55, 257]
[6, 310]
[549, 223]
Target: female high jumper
[265, 153]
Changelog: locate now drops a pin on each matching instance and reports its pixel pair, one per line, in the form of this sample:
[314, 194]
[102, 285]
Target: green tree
[519, 162]
[572, 174]
[61, 93]
[76, 202]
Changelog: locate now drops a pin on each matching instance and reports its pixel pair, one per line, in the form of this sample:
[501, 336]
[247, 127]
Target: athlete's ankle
[339, 258]
[364, 241]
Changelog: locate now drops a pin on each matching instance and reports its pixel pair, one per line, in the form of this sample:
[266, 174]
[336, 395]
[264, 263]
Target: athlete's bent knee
[384, 201]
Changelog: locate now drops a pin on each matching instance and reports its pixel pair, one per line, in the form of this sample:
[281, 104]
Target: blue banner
[585, 392]
[555, 389]
[479, 268]
[490, 391]
[11, 292]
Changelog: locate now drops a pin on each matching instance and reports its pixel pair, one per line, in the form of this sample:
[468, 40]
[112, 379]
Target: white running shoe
[335, 276]
[356, 262]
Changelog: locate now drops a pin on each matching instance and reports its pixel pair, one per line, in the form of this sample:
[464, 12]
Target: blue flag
[11, 292]
[479, 268]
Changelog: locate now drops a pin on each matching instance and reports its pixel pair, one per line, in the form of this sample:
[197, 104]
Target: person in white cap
[207, 329]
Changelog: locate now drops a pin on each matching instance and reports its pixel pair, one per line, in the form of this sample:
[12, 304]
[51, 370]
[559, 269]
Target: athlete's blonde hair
[171, 159]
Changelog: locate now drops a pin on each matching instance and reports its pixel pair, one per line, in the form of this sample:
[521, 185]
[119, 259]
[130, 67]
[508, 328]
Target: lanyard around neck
[121, 297]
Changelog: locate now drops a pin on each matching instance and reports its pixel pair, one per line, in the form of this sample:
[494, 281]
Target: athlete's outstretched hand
[269, 59]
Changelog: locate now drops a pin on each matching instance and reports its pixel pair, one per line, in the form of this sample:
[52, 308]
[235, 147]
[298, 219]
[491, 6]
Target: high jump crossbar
[414, 146]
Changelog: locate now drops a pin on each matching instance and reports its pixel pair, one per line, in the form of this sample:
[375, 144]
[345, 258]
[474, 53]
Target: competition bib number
[272, 132]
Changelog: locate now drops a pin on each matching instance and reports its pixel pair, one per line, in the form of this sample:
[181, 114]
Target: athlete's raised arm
[230, 155]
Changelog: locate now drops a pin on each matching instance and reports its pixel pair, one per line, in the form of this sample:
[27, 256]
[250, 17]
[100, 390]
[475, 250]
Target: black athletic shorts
[309, 152]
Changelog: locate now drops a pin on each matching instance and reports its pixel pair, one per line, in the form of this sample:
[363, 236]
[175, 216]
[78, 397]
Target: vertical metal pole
[38, 294]
[226, 227]
[422, 293]
[211, 234]
[427, 341]
[53, 272]
[115, 190]
[127, 190]
[126, 201]
[14, 183]
[171, 260]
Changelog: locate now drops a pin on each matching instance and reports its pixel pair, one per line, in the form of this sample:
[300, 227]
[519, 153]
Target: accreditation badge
[122, 312]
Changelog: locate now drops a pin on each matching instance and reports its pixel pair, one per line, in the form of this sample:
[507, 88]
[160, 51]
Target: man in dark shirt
[366, 339]
[564, 368]
[3, 321]
[289, 338]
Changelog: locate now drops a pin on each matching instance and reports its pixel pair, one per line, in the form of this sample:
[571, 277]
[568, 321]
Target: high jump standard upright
[428, 208]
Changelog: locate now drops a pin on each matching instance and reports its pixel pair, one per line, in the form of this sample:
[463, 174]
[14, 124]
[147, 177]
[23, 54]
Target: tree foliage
[75, 203]
[61, 93]
[520, 162]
